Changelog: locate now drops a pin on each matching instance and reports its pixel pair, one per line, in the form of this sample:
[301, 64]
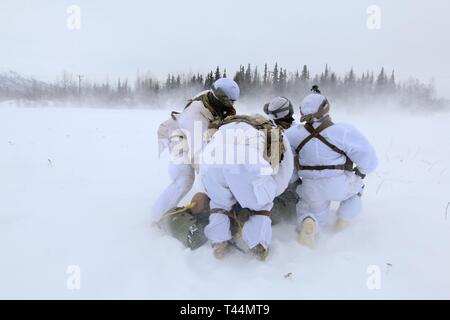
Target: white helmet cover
[279, 108]
[226, 90]
[314, 106]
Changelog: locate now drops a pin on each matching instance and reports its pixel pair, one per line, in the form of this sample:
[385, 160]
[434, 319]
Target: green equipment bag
[188, 229]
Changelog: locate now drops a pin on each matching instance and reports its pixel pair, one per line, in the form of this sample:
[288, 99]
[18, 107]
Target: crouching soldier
[248, 161]
[183, 134]
[332, 160]
[281, 111]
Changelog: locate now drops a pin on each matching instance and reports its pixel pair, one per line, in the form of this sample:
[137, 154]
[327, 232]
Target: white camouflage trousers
[245, 184]
[316, 196]
[182, 178]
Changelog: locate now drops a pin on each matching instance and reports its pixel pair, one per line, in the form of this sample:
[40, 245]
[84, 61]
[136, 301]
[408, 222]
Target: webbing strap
[276, 112]
[261, 213]
[315, 133]
[204, 99]
[329, 167]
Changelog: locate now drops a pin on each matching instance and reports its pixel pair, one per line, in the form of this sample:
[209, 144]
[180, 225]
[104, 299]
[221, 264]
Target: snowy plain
[77, 184]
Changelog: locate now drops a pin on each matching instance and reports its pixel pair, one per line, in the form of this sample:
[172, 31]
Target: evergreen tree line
[252, 81]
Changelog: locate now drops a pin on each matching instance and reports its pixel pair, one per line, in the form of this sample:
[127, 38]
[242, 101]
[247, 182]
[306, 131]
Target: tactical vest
[273, 133]
[207, 103]
[315, 133]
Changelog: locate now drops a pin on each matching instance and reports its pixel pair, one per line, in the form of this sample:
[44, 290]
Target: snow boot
[221, 249]
[260, 252]
[307, 235]
[341, 224]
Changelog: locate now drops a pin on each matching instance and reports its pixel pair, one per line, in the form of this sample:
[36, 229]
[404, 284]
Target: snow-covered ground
[76, 187]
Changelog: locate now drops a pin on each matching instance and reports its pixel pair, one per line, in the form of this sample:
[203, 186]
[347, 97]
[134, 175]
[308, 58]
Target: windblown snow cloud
[119, 38]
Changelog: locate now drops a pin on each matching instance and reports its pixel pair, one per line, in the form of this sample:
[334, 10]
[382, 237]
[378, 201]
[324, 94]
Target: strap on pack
[259, 123]
[315, 133]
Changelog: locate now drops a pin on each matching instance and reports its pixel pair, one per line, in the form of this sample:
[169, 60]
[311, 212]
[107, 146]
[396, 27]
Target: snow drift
[76, 187]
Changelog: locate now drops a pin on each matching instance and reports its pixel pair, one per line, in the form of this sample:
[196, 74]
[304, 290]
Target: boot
[341, 224]
[260, 252]
[221, 249]
[307, 235]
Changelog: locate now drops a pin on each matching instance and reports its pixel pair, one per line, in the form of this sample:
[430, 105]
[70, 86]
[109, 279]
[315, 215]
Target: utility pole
[80, 78]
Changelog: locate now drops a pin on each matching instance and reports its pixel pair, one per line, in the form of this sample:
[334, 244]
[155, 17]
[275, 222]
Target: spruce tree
[256, 80]
[381, 80]
[265, 76]
[392, 83]
[168, 82]
[239, 77]
[350, 79]
[324, 77]
[217, 74]
[275, 76]
[248, 76]
[305, 74]
[333, 80]
[282, 80]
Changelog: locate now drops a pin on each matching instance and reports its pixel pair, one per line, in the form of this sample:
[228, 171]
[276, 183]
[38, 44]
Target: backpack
[273, 133]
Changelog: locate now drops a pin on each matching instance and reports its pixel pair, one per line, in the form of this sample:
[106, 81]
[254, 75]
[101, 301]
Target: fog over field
[85, 85]
[78, 186]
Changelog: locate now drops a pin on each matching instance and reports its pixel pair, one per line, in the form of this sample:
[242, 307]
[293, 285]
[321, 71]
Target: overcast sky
[118, 38]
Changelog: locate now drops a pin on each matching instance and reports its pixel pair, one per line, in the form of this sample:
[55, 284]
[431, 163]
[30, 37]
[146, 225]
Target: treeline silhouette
[253, 81]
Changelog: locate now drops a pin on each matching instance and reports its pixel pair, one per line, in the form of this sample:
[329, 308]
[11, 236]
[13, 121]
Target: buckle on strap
[348, 166]
[174, 115]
